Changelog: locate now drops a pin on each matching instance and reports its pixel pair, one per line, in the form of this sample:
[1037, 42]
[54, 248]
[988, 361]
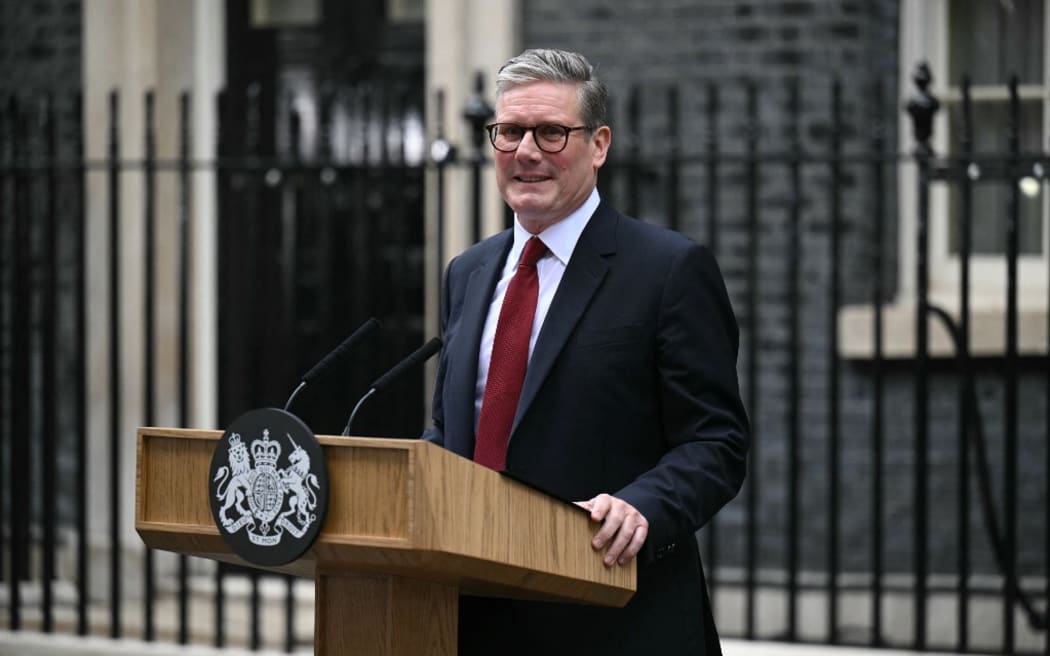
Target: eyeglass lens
[548, 137]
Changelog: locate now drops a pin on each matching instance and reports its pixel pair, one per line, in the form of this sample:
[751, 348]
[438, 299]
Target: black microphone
[337, 354]
[419, 356]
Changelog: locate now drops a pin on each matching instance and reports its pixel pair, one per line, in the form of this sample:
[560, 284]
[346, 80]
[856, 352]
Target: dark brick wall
[40, 68]
[40, 45]
[654, 44]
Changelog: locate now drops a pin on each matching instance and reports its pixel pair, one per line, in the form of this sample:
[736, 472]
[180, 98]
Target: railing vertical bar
[324, 180]
[1046, 469]
[794, 357]
[966, 413]
[477, 160]
[712, 108]
[255, 635]
[411, 176]
[286, 205]
[878, 142]
[296, 250]
[254, 212]
[222, 191]
[753, 181]
[712, 165]
[834, 202]
[674, 161]
[439, 233]
[80, 368]
[1010, 393]
[184, 255]
[394, 167]
[289, 613]
[6, 288]
[115, 379]
[634, 149]
[149, 330]
[49, 323]
[367, 180]
[266, 246]
[920, 465]
[711, 531]
[21, 348]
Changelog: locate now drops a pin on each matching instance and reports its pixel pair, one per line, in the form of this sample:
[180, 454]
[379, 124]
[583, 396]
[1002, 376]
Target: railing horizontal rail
[865, 474]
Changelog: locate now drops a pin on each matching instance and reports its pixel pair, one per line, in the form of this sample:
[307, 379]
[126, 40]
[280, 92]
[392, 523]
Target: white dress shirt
[560, 239]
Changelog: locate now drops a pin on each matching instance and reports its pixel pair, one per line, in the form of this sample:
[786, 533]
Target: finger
[611, 525]
[621, 540]
[635, 546]
[600, 506]
[586, 505]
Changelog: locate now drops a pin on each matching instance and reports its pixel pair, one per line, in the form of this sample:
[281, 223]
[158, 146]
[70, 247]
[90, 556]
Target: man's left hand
[623, 528]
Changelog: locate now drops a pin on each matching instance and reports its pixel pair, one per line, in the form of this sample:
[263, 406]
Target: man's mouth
[531, 178]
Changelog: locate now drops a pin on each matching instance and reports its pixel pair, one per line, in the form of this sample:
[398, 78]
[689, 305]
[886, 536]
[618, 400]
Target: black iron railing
[792, 186]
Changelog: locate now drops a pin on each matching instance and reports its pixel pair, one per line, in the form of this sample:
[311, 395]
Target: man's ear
[600, 142]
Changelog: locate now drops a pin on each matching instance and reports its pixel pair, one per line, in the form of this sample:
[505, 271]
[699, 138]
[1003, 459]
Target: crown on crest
[265, 451]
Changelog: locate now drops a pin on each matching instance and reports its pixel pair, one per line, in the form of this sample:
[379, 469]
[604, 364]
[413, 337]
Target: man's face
[543, 188]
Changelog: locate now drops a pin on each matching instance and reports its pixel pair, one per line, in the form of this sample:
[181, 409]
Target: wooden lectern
[409, 526]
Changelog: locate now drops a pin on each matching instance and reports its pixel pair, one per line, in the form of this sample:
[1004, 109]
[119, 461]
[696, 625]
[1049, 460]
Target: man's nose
[527, 147]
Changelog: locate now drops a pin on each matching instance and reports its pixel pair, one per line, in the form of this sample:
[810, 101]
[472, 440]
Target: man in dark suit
[598, 363]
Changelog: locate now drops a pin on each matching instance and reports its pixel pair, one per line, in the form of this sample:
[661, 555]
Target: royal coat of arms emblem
[258, 495]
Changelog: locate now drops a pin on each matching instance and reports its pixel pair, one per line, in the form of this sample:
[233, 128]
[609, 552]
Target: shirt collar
[560, 237]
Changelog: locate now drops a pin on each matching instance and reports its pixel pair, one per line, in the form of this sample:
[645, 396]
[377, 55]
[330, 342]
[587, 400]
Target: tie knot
[534, 250]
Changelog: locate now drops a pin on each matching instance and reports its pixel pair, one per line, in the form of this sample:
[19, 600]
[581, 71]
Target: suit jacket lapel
[581, 280]
[477, 297]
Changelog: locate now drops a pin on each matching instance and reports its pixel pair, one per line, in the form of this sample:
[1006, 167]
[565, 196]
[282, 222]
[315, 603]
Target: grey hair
[549, 65]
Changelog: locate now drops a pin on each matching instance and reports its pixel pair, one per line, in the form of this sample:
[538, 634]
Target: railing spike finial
[921, 107]
[477, 111]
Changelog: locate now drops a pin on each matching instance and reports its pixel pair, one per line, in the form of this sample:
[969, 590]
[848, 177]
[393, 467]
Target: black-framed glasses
[549, 137]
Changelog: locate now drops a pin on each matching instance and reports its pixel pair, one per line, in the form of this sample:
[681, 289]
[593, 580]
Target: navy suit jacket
[631, 390]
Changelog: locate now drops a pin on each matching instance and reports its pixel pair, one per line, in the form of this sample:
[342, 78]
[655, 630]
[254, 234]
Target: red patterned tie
[510, 358]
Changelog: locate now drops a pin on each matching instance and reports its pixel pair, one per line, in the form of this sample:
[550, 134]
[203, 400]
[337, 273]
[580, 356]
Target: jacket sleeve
[705, 426]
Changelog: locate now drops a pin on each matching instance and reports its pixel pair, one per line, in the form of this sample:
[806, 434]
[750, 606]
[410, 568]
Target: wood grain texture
[388, 615]
[396, 507]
